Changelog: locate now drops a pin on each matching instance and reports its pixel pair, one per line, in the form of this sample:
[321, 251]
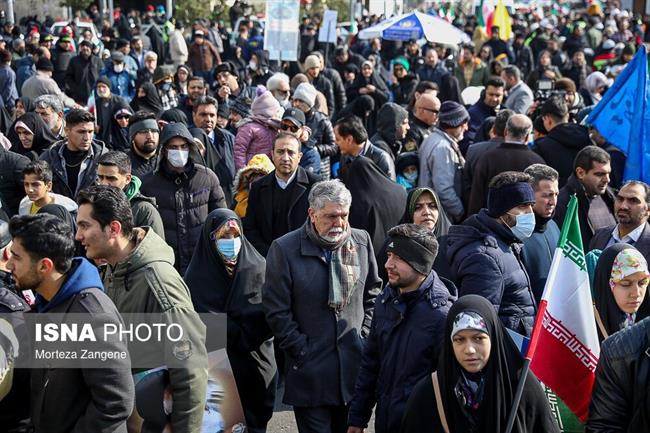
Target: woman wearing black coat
[32, 136]
[368, 82]
[478, 372]
[226, 275]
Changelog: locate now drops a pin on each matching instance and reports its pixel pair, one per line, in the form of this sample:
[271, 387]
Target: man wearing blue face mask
[484, 252]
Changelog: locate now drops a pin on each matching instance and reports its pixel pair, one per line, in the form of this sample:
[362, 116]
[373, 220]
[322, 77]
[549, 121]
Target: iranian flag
[564, 346]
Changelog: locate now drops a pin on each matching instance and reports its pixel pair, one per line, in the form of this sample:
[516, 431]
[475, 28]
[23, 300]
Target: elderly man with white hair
[320, 289]
[278, 85]
[147, 71]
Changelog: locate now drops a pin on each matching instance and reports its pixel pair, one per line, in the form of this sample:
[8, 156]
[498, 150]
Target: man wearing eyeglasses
[421, 121]
[278, 202]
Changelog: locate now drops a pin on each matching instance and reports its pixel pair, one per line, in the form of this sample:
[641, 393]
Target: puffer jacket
[620, 393]
[402, 347]
[146, 282]
[253, 138]
[322, 133]
[184, 199]
[485, 259]
[389, 119]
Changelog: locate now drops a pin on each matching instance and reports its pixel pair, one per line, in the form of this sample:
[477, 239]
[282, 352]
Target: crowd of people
[360, 218]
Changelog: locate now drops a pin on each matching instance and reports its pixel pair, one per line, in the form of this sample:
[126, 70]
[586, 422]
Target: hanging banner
[281, 33]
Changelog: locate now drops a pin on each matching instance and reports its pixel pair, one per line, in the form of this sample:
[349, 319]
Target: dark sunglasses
[431, 110]
[289, 127]
[122, 117]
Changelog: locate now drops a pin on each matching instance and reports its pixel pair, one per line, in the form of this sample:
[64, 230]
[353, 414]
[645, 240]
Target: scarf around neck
[344, 267]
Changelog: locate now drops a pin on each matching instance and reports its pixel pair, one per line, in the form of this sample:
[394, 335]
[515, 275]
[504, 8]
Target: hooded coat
[605, 305]
[403, 346]
[501, 377]
[43, 137]
[389, 120]
[560, 147]
[380, 95]
[106, 109]
[404, 88]
[150, 102]
[118, 137]
[377, 202]
[485, 259]
[184, 199]
[146, 282]
[68, 399]
[249, 338]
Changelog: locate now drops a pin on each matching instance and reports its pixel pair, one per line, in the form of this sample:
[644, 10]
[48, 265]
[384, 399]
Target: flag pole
[534, 339]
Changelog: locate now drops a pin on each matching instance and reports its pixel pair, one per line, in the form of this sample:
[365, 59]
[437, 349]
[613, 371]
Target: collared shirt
[282, 184]
[630, 238]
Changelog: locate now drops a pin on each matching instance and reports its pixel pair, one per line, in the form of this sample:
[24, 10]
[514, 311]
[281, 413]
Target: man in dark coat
[344, 57]
[484, 252]
[414, 302]
[88, 399]
[563, 141]
[421, 121]
[106, 104]
[11, 181]
[619, 400]
[321, 284]
[14, 413]
[218, 142]
[320, 82]
[631, 210]
[433, 69]
[114, 169]
[74, 160]
[277, 203]
[511, 155]
[144, 135]
[186, 192]
[61, 57]
[82, 73]
[590, 183]
[340, 98]
[487, 106]
[352, 141]
[539, 248]
[392, 126]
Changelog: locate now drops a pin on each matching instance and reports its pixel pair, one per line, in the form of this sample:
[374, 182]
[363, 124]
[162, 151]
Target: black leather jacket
[619, 400]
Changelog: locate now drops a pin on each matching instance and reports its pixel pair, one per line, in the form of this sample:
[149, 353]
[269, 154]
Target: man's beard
[147, 147]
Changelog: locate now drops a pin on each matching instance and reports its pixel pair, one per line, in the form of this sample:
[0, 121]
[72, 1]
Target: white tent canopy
[416, 25]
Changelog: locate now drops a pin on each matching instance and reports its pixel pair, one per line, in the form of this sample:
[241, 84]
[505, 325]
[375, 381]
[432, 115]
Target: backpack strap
[441, 410]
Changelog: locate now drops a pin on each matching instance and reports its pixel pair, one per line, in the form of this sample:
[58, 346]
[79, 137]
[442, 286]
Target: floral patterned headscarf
[627, 262]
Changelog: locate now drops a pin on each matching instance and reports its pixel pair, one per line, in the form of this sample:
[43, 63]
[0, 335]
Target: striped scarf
[344, 267]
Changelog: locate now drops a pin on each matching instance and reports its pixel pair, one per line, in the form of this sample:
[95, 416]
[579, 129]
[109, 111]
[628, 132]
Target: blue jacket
[8, 89]
[310, 160]
[121, 84]
[402, 347]
[485, 260]
[24, 70]
[82, 275]
[538, 253]
[434, 74]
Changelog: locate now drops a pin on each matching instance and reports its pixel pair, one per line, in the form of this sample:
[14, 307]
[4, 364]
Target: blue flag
[621, 116]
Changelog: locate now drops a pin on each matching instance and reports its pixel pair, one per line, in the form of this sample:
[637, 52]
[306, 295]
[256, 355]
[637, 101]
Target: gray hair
[329, 191]
[540, 172]
[151, 54]
[49, 101]
[275, 79]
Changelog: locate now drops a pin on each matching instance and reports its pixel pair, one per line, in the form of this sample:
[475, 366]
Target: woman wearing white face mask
[185, 191]
[226, 276]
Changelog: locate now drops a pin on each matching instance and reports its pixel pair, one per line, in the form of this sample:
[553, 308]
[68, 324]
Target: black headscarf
[500, 375]
[150, 102]
[11, 132]
[212, 289]
[610, 314]
[119, 138]
[443, 223]
[377, 202]
[43, 137]
[174, 115]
